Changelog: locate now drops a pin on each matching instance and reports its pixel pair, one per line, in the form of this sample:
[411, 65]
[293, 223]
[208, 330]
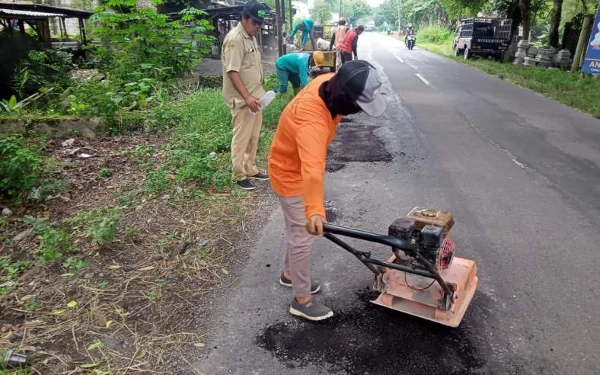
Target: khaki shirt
[241, 54]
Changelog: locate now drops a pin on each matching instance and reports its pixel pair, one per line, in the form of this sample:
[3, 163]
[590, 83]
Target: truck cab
[483, 37]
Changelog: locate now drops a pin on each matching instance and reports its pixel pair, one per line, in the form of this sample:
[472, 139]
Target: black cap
[361, 81]
[255, 10]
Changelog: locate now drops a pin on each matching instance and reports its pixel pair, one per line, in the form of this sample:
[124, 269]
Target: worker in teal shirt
[306, 26]
[294, 68]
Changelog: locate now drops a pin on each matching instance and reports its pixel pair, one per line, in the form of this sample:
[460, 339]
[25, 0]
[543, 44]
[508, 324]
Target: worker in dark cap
[242, 89]
[297, 164]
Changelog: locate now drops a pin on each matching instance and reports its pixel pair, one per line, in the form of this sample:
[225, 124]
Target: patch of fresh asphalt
[535, 311]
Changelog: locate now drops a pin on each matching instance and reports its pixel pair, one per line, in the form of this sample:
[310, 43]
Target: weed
[102, 284]
[100, 225]
[47, 187]
[12, 371]
[132, 234]
[10, 271]
[140, 153]
[158, 181]
[73, 133]
[32, 304]
[151, 296]
[125, 200]
[104, 173]
[12, 106]
[95, 345]
[72, 264]
[20, 167]
[54, 242]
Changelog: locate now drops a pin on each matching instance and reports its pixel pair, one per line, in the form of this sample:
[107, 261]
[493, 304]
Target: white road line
[399, 59]
[422, 79]
[519, 164]
[412, 66]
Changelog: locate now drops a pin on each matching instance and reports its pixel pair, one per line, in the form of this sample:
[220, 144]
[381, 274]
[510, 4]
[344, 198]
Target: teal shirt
[296, 63]
[308, 25]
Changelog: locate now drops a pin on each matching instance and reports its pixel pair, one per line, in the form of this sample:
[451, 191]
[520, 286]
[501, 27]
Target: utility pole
[278, 31]
[398, 22]
[283, 16]
[341, 8]
[584, 37]
[291, 14]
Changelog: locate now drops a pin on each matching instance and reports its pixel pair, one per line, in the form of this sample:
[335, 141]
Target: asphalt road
[520, 173]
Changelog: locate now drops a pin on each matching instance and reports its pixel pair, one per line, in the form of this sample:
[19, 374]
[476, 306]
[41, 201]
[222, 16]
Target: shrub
[54, 242]
[42, 69]
[100, 225]
[20, 167]
[434, 34]
[137, 36]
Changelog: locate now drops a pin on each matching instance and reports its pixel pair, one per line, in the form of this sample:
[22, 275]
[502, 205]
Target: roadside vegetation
[109, 245]
[563, 86]
[546, 24]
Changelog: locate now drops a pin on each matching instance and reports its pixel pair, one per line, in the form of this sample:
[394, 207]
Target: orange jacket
[299, 149]
[348, 44]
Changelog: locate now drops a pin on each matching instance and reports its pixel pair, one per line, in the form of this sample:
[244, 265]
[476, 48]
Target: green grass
[17, 371]
[201, 132]
[444, 49]
[564, 87]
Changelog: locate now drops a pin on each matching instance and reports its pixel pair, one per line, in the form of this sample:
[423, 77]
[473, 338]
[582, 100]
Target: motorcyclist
[409, 31]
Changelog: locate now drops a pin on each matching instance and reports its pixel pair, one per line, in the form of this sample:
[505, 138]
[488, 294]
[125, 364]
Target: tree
[553, 37]
[462, 8]
[357, 9]
[321, 12]
[386, 12]
[525, 17]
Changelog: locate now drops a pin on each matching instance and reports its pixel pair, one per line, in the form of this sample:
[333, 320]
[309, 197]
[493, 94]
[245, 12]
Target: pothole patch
[369, 339]
[356, 143]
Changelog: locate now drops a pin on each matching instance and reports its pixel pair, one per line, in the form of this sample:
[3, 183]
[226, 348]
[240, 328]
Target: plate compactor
[423, 277]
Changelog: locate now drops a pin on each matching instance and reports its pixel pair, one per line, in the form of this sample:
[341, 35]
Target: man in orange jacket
[297, 165]
[349, 45]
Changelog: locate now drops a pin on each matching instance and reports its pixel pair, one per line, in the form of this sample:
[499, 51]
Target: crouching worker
[297, 165]
[294, 68]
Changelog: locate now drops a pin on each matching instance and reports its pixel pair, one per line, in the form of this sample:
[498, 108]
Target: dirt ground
[138, 304]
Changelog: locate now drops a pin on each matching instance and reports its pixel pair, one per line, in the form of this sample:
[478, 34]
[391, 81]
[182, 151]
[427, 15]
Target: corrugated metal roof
[29, 13]
[57, 11]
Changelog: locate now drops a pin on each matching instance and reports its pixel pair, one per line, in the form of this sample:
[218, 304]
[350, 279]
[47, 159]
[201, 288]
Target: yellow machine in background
[322, 34]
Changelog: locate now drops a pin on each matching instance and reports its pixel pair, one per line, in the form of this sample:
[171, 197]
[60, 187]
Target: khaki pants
[246, 131]
[298, 245]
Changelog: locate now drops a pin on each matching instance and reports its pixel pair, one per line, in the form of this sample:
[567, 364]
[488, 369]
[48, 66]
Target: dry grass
[137, 307]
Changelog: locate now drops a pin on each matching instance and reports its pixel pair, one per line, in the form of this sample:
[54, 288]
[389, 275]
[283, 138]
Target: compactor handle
[394, 242]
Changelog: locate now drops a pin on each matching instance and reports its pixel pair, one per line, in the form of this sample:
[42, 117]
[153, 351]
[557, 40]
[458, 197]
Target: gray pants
[298, 245]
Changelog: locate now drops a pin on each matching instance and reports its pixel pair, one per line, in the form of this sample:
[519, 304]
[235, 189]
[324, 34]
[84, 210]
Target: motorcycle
[410, 41]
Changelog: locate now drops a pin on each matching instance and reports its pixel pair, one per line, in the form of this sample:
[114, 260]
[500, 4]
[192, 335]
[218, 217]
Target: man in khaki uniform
[242, 90]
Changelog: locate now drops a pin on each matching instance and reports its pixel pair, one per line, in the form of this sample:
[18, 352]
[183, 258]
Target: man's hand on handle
[314, 225]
